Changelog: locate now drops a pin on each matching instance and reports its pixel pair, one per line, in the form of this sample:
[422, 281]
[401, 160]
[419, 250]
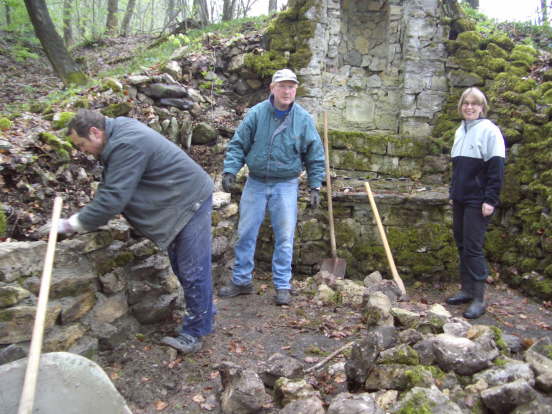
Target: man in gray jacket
[164, 195]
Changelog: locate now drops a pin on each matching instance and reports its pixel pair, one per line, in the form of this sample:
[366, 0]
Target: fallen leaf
[340, 378]
[198, 398]
[207, 406]
[114, 376]
[160, 405]
[214, 374]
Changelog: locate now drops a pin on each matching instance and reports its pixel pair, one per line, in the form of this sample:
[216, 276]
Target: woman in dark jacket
[478, 156]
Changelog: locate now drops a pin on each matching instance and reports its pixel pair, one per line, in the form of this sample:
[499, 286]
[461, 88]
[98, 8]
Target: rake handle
[31, 374]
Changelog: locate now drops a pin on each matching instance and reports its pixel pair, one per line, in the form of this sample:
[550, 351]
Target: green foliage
[20, 53]
[2, 221]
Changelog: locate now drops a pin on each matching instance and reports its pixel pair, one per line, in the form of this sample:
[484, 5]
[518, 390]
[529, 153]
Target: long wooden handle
[31, 374]
[394, 272]
[329, 187]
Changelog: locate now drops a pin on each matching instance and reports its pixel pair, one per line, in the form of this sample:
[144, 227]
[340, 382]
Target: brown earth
[153, 378]
[249, 329]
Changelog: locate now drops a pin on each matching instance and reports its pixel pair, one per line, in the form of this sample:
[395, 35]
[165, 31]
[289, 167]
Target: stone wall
[382, 68]
[105, 286]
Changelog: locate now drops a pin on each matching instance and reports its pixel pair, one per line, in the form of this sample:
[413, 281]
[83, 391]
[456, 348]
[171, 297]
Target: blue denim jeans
[281, 201]
[190, 256]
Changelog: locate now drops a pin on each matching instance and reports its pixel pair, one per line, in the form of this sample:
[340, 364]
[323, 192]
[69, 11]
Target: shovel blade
[334, 266]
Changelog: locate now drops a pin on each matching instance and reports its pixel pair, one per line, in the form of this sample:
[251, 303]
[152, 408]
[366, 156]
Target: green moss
[5, 124]
[499, 362]
[496, 51]
[499, 340]
[502, 40]
[287, 37]
[471, 40]
[117, 109]
[548, 350]
[76, 78]
[266, 63]
[419, 403]
[61, 119]
[62, 147]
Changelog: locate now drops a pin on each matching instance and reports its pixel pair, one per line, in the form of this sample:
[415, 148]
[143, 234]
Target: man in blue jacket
[164, 195]
[277, 140]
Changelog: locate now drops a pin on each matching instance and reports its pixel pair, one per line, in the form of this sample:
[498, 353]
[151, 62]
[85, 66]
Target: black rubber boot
[478, 305]
[466, 293]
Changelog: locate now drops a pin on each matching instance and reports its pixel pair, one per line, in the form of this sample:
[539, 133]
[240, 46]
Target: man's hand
[314, 198]
[228, 181]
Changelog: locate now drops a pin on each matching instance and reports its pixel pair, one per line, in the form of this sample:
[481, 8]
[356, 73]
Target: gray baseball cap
[284, 75]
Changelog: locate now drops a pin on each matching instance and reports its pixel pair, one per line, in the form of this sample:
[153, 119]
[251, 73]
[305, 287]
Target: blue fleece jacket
[277, 149]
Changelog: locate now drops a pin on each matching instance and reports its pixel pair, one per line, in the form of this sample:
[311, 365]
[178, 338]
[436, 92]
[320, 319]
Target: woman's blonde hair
[479, 98]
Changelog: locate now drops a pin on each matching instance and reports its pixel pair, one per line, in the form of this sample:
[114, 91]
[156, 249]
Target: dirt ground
[249, 329]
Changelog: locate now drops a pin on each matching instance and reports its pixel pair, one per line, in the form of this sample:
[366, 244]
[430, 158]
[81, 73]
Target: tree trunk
[128, 16]
[228, 8]
[8, 13]
[111, 22]
[272, 6]
[170, 14]
[544, 12]
[52, 43]
[67, 28]
[202, 11]
[474, 4]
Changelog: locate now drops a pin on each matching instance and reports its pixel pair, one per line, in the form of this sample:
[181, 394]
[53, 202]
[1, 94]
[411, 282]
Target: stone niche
[382, 68]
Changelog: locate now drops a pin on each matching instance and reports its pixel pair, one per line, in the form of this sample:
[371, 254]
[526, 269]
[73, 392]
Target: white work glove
[65, 226]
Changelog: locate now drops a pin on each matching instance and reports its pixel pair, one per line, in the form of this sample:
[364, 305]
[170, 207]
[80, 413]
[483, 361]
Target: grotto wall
[389, 73]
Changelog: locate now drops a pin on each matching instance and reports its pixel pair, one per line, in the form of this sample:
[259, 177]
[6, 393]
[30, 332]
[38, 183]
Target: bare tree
[8, 13]
[52, 43]
[228, 10]
[170, 13]
[111, 22]
[272, 6]
[67, 23]
[244, 7]
[544, 12]
[202, 11]
[125, 25]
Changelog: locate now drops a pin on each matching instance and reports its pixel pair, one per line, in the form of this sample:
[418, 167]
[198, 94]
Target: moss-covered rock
[61, 119]
[5, 124]
[470, 40]
[116, 109]
[288, 39]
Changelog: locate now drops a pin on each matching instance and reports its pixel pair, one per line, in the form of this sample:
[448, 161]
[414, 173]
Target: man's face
[93, 144]
[284, 94]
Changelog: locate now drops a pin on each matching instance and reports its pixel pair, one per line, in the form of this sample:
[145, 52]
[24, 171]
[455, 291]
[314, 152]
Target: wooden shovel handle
[394, 272]
[329, 187]
[31, 373]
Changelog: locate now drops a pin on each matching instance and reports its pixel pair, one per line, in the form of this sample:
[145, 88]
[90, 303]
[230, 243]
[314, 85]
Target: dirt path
[153, 378]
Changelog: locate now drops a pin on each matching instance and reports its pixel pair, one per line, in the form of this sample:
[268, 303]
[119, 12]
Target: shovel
[335, 265]
[394, 272]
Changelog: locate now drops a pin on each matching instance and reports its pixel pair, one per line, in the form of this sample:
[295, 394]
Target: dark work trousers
[190, 256]
[469, 227]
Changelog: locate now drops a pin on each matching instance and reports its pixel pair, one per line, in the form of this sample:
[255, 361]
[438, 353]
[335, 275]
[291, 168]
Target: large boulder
[66, 383]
